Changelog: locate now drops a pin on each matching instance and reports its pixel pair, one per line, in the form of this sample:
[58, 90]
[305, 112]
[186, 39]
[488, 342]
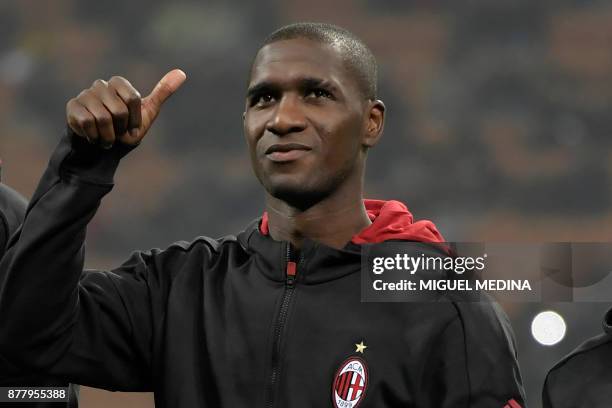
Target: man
[12, 211]
[583, 378]
[273, 316]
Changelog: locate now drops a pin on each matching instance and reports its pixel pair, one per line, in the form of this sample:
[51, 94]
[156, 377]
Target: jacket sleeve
[88, 327]
[475, 363]
[12, 211]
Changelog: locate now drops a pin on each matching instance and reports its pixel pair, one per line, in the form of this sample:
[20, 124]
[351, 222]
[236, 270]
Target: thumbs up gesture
[113, 110]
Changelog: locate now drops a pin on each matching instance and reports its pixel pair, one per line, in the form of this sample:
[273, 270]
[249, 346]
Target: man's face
[304, 120]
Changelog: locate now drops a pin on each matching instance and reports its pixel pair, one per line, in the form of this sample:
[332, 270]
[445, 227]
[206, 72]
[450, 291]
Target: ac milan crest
[350, 383]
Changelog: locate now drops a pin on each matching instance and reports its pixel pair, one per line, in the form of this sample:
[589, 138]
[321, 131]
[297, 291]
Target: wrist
[89, 162]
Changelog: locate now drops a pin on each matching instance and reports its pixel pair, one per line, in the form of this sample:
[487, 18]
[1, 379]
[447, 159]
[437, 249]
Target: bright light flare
[548, 328]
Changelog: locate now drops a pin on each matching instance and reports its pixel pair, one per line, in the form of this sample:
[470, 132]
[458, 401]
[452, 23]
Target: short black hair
[357, 57]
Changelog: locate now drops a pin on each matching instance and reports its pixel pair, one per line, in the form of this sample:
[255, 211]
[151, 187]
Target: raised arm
[90, 327]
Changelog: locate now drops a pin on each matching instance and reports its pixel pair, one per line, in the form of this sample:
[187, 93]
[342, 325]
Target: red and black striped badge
[350, 383]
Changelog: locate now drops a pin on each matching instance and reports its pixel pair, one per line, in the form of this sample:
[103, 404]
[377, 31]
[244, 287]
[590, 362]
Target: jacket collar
[391, 221]
[319, 262]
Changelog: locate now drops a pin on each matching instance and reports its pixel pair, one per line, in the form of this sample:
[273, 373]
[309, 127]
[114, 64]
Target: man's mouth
[285, 152]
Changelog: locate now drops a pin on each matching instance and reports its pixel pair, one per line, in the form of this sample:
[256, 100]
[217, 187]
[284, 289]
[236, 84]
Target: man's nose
[288, 117]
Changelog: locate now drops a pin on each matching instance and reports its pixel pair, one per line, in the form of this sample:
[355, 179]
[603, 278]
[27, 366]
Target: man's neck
[333, 221]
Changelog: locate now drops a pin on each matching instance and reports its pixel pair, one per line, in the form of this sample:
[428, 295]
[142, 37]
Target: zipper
[291, 268]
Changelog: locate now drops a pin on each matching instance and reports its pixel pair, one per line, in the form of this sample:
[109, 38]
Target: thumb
[165, 88]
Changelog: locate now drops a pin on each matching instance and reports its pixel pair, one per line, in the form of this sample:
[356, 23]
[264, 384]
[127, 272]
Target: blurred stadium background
[499, 122]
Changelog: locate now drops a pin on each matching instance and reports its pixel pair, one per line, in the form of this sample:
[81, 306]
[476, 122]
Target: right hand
[114, 111]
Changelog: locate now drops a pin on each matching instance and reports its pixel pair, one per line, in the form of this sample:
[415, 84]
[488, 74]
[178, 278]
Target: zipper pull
[291, 272]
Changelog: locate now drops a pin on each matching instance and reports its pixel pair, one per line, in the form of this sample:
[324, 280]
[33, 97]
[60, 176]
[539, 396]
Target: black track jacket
[12, 211]
[583, 378]
[234, 322]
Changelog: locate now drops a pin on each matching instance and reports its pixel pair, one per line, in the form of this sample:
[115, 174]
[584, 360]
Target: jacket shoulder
[580, 373]
[203, 250]
[213, 245]
[592, 350]
[490, 352]
[488, 325]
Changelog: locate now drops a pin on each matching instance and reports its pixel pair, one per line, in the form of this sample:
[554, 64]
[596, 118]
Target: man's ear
[375, 123]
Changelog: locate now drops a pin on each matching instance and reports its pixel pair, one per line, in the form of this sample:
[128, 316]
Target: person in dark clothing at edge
[12, 211]
[583, 378]
[271, 317]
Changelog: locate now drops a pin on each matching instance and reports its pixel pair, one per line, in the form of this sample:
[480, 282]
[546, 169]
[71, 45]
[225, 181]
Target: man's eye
[262, 99]
[319, 93]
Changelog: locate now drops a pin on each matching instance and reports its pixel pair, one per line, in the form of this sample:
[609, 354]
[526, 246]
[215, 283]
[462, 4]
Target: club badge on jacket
[351, 380]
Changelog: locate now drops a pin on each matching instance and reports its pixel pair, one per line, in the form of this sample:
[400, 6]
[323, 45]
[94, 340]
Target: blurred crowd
[499, 118]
